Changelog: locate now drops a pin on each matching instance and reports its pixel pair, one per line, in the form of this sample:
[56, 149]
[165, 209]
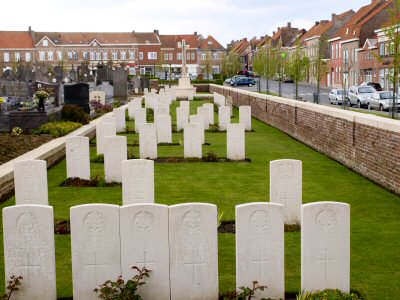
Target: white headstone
[136, 90]
[236, 144]
[98, 96]
[245, 117]
[135, 103]
[115, 152]
[260, 248]
[119, 114]
[198, 119]
[30, 182]
[160, 111]
[210, 109]
[78, 157]
[109, 118]
[182, 118]
[148, 141]
[103, 130]
[224, 117]
[140, 115]
[144, 243]
[219, 99]
[164, 129]
[286, 187]
[185, 105]
[95, 244]
[29, 250]
[145, 90]
[193, 251]
[229, 103]
[137, 181]
[193, 140]
[325, 241]
[204, 112]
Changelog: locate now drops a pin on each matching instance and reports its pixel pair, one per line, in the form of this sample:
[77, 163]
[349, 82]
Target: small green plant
[98, 159]
[74, 113]
[327, 294]
[57, 129]
[12, 285]
[131, 154]
[220, 215]
[244, 292]
[119, 290]
[150, 115]
[210, 156]
[16, 131]
[41, 95]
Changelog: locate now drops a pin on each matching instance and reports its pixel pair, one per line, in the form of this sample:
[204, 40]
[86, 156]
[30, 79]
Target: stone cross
[184, 70]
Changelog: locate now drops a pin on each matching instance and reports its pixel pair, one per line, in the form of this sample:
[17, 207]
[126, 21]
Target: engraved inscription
[260, 260]
[29, 270]
[325, 260]
[96, 266]
[286, 170]
[192, 221]
[144, 221]
[27, 225]
[145, 262]
[326, 220]
[94, 224]
[137, 170]
[194, 261]
[260, 220]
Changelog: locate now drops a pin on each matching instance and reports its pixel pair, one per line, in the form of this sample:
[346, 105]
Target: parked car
[358, 95]
[336, 96]
[375, 85]
[383, 101]
[243, 81]
[233, 79]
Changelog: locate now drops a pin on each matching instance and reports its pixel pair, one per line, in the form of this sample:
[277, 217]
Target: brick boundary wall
[367, 144]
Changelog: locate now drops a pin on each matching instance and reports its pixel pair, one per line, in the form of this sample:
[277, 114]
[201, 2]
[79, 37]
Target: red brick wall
[369, 150]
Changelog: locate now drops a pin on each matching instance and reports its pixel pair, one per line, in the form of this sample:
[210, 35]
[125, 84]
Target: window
[209, 42]
[27, 56]
[92, 56]
[140, 55]
[193, 56]
[215, 69]
[50, 55]
[123, 55]
[17, 56]
[382, 49]
[171, 57]
[142, 70]
[69, 55]
[105, 55]
[85, 55]
[337, 50]
[98, 55]
[131, 55]
[42, 55]
[332, 51]
[215, 56]
[152, 55]
[114, 56]
[45, 43]
[203, 56]
[368, 76]
[165, 56]
[179, 56]
[347, 30]
[59, 55]
[187, 56]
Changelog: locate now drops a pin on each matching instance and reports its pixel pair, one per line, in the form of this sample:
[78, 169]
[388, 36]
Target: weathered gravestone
[245, 117]
[135, 103]
[185, 105]
[140, 116]
[106, 88]
[182, 118]
[198, 119]
[193, 251]
[236, 142]
[98, 96]
[29, 250]
[260, 248]
[209, 107]
[286, 187]
[224, 117]
[164, 129]
[95, 243]
[30, 181]
[193, 140]
[137, 181]
[325, 246]
[115, 152]
[78, 157]
[120, 121]
[120, 82]
[103, 130]
[148, 141]
[204, 112]
[77, 94]
[144, 243]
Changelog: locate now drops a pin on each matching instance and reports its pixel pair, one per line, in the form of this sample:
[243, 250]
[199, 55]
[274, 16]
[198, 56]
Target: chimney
[289, 24]
[133, 31]
[334, 17]
[316, 23]
[195, 33]
[30, 29]
[156, 31]
[273, 32]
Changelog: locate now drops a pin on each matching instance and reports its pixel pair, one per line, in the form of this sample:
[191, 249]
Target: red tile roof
[210, 43]
[171, 41]
[16, 39]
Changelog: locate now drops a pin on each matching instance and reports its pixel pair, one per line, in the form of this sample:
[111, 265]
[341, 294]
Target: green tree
[319, 66]
[297, 68]
[230, 64]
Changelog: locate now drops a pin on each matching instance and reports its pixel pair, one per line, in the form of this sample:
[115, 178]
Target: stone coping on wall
[352, 116]
[49, 149]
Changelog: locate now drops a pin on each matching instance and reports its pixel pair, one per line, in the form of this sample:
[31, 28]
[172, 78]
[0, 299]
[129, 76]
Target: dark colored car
[375, 85]
[246, 73]
[243, 81]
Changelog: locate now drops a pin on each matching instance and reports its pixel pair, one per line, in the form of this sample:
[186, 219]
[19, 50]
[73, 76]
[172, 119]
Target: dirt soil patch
[14, 146]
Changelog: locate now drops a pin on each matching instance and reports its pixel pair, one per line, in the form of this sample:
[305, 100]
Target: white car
[358, 95]
[336, 96]
[382, 101]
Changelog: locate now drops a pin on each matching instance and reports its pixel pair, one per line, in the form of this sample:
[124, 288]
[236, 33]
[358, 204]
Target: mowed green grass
[375, 222]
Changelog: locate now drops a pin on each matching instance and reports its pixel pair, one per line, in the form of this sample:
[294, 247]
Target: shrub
[74, 113]
[12, 285]
[244, 292]
[99, 108]
[16, 131]
[98, 159]
[210, 157]
[57, 129]
[328, 295]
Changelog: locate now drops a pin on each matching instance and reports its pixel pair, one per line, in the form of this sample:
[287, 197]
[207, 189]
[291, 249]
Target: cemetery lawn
[375, 222]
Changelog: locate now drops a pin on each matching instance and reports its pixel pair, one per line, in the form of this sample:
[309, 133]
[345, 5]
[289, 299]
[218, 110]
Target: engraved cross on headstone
[195, 262]
[29, 269]
[96, 267]
[284, 198]
[135, 192]
[260, 261]
[145, 262]
[326, 260]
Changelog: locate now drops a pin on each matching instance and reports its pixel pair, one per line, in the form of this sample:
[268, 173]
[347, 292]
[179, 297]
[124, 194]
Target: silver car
[358, 95]
[382, 101]
[336, 96]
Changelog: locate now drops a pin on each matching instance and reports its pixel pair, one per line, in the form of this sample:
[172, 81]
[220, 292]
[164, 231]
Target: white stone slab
[115, 152]
[160, 111]
[236, 144]
[219, 99]
[144, 243]
[30, 182]
[109, 118]
[245, 117]
[103, 130]
[325, 240]
[164, 129]
[229, 103]
[137, 181]
[136, 90]
[95, 244]
[204, 112]
[224, 117]
[286, 187]
[29, 250]
[98, 96]
[120, 122]
[193, 251]
[145, 90]
[135, 103]
[182, 118]
[193, 140]
[198, 119]
[260, 248]
[210, 108]
[148, 141]
[185, 105]
[78, 157]
[140, 115]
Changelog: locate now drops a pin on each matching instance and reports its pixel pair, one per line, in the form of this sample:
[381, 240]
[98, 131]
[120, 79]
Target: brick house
[368, 65]
[286, 38]
[242, 49]
[352, 36]
[385, 68]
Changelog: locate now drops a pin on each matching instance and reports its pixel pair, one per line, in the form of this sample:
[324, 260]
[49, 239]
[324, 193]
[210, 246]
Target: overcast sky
[224, 19]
